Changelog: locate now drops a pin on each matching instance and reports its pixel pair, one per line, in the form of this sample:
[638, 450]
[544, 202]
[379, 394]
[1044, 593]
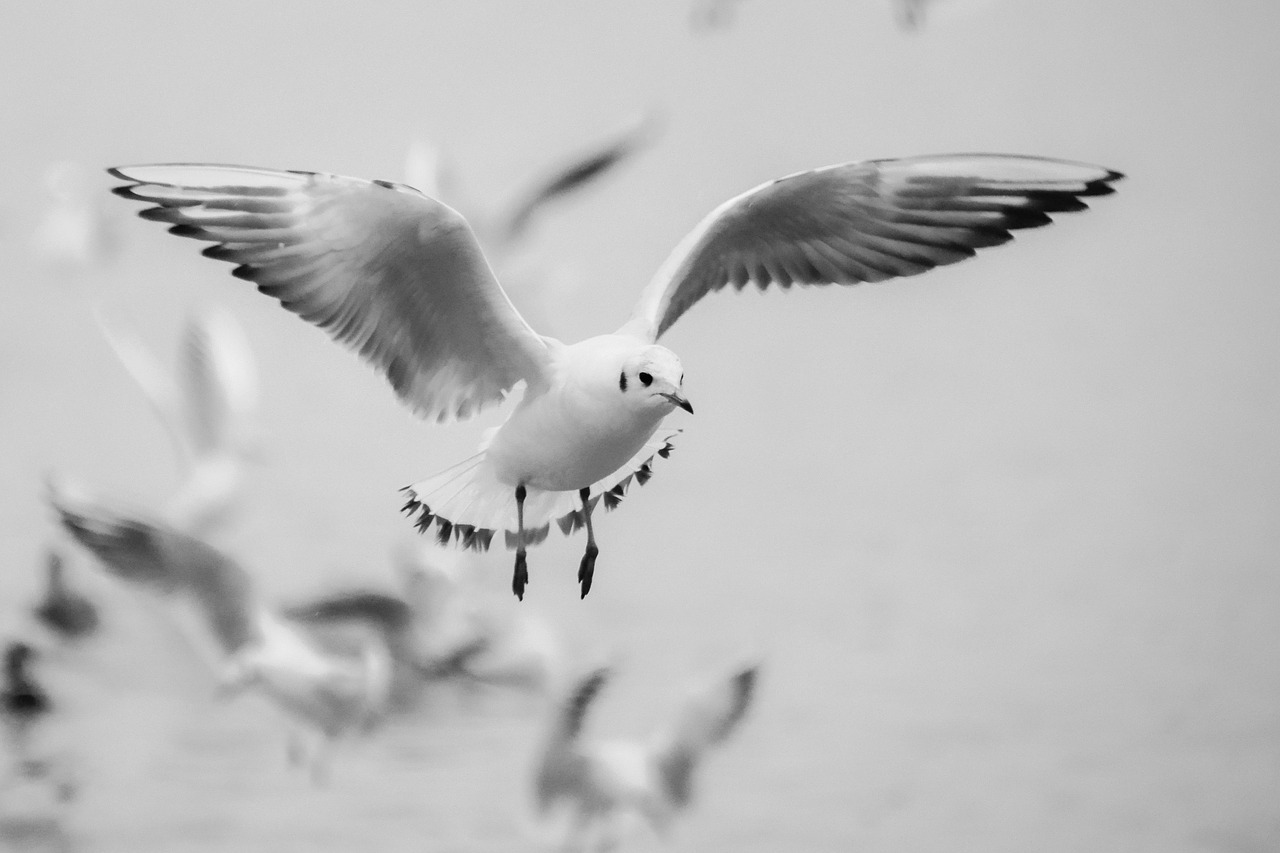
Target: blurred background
[1003, 534]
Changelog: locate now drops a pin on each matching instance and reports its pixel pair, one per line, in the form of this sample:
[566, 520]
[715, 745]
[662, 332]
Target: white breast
[578, 431]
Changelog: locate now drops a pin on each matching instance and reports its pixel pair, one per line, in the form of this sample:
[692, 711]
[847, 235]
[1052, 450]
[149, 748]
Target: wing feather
[391, 273]
[863, 222]
[155, 555]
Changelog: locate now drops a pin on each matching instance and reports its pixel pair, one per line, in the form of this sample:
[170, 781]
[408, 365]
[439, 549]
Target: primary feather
[863, 222]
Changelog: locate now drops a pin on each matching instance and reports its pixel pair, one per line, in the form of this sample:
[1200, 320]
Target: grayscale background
[1005, 534]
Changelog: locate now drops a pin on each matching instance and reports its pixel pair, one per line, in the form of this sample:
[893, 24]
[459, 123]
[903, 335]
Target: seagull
[22, 700]
[208, 405]
[547, 288]
[605, 783]
[437, 629]
[909, 15]
[393, 621]
[401, 278]
[63, 610]
[514, 649]
[333, 694]
[502, 228]
[73, 234]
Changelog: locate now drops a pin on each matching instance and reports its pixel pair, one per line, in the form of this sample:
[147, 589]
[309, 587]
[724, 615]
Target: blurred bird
[501, 228]
[63, 610]
[401, 278]
[908, 14]
[35, 798]
[712, 14]
[334, 694]
[546, 289]
[606, 783]
[74, 233]
[514, 649]
[437, 630]
[392, 620]
[22, 700]
[208, 405]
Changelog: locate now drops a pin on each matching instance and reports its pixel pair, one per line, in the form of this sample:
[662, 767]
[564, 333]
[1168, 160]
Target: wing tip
[1103, 185]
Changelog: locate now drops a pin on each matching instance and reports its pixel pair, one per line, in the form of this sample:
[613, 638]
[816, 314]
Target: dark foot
[587, 568]
[521, 576]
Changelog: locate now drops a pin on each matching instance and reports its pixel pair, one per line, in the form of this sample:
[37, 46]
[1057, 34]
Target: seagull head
[653, 379]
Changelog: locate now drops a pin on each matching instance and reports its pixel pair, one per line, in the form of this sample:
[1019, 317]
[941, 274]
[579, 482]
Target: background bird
[22, 699]
[401, 278]
[208, 405]
[66, 611]
[74, 234]
[501, 227]
[440, 627]
[604, 784]
[334, 694]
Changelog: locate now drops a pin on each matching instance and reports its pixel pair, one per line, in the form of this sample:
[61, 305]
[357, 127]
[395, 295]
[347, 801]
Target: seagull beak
[679, 401]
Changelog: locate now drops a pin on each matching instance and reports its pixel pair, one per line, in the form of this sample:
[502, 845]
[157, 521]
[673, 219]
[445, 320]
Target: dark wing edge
[867, 221]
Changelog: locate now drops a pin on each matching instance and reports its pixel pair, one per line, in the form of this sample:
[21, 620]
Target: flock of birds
[341, 663]
[393, 272]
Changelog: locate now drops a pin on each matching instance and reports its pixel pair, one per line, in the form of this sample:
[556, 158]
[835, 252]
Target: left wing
[867, 221]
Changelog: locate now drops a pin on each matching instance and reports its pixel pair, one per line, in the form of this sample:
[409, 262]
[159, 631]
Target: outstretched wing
[154, 555]
[707, 718]
[157, 385]
[395, 275]
[574, 711]
[584, 169]
[220, 384]
[867, 221]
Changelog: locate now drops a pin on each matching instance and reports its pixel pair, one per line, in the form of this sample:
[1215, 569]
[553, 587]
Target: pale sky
[1061, 454]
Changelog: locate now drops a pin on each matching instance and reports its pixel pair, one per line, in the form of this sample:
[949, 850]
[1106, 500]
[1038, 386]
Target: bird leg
[521, 576]
[588, 565]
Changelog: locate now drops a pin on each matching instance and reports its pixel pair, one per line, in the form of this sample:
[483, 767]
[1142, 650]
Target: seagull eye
[645, 379]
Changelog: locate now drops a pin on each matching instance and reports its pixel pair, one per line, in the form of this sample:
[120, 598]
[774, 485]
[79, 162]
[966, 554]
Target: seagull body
[333, 694]
[604, 783]
[401, 278]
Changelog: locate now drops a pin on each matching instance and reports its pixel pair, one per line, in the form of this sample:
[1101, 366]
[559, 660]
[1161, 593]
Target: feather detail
[469, 508]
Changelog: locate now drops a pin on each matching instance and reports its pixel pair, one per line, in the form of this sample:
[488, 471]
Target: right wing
[393, 274]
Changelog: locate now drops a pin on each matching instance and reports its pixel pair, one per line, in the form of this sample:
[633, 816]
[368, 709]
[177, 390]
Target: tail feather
[468, 508]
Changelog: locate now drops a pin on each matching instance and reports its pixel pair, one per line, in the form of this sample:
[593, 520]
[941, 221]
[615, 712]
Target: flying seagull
[334, 694]
[401, 278]
[63, 610]
[504, 226]
[208, 405]
[22, 699]
[604, 782]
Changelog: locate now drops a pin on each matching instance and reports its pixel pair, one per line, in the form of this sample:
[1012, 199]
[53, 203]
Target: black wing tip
[745, 680]
[591, 683]
[1103, 185]
[119, 172]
